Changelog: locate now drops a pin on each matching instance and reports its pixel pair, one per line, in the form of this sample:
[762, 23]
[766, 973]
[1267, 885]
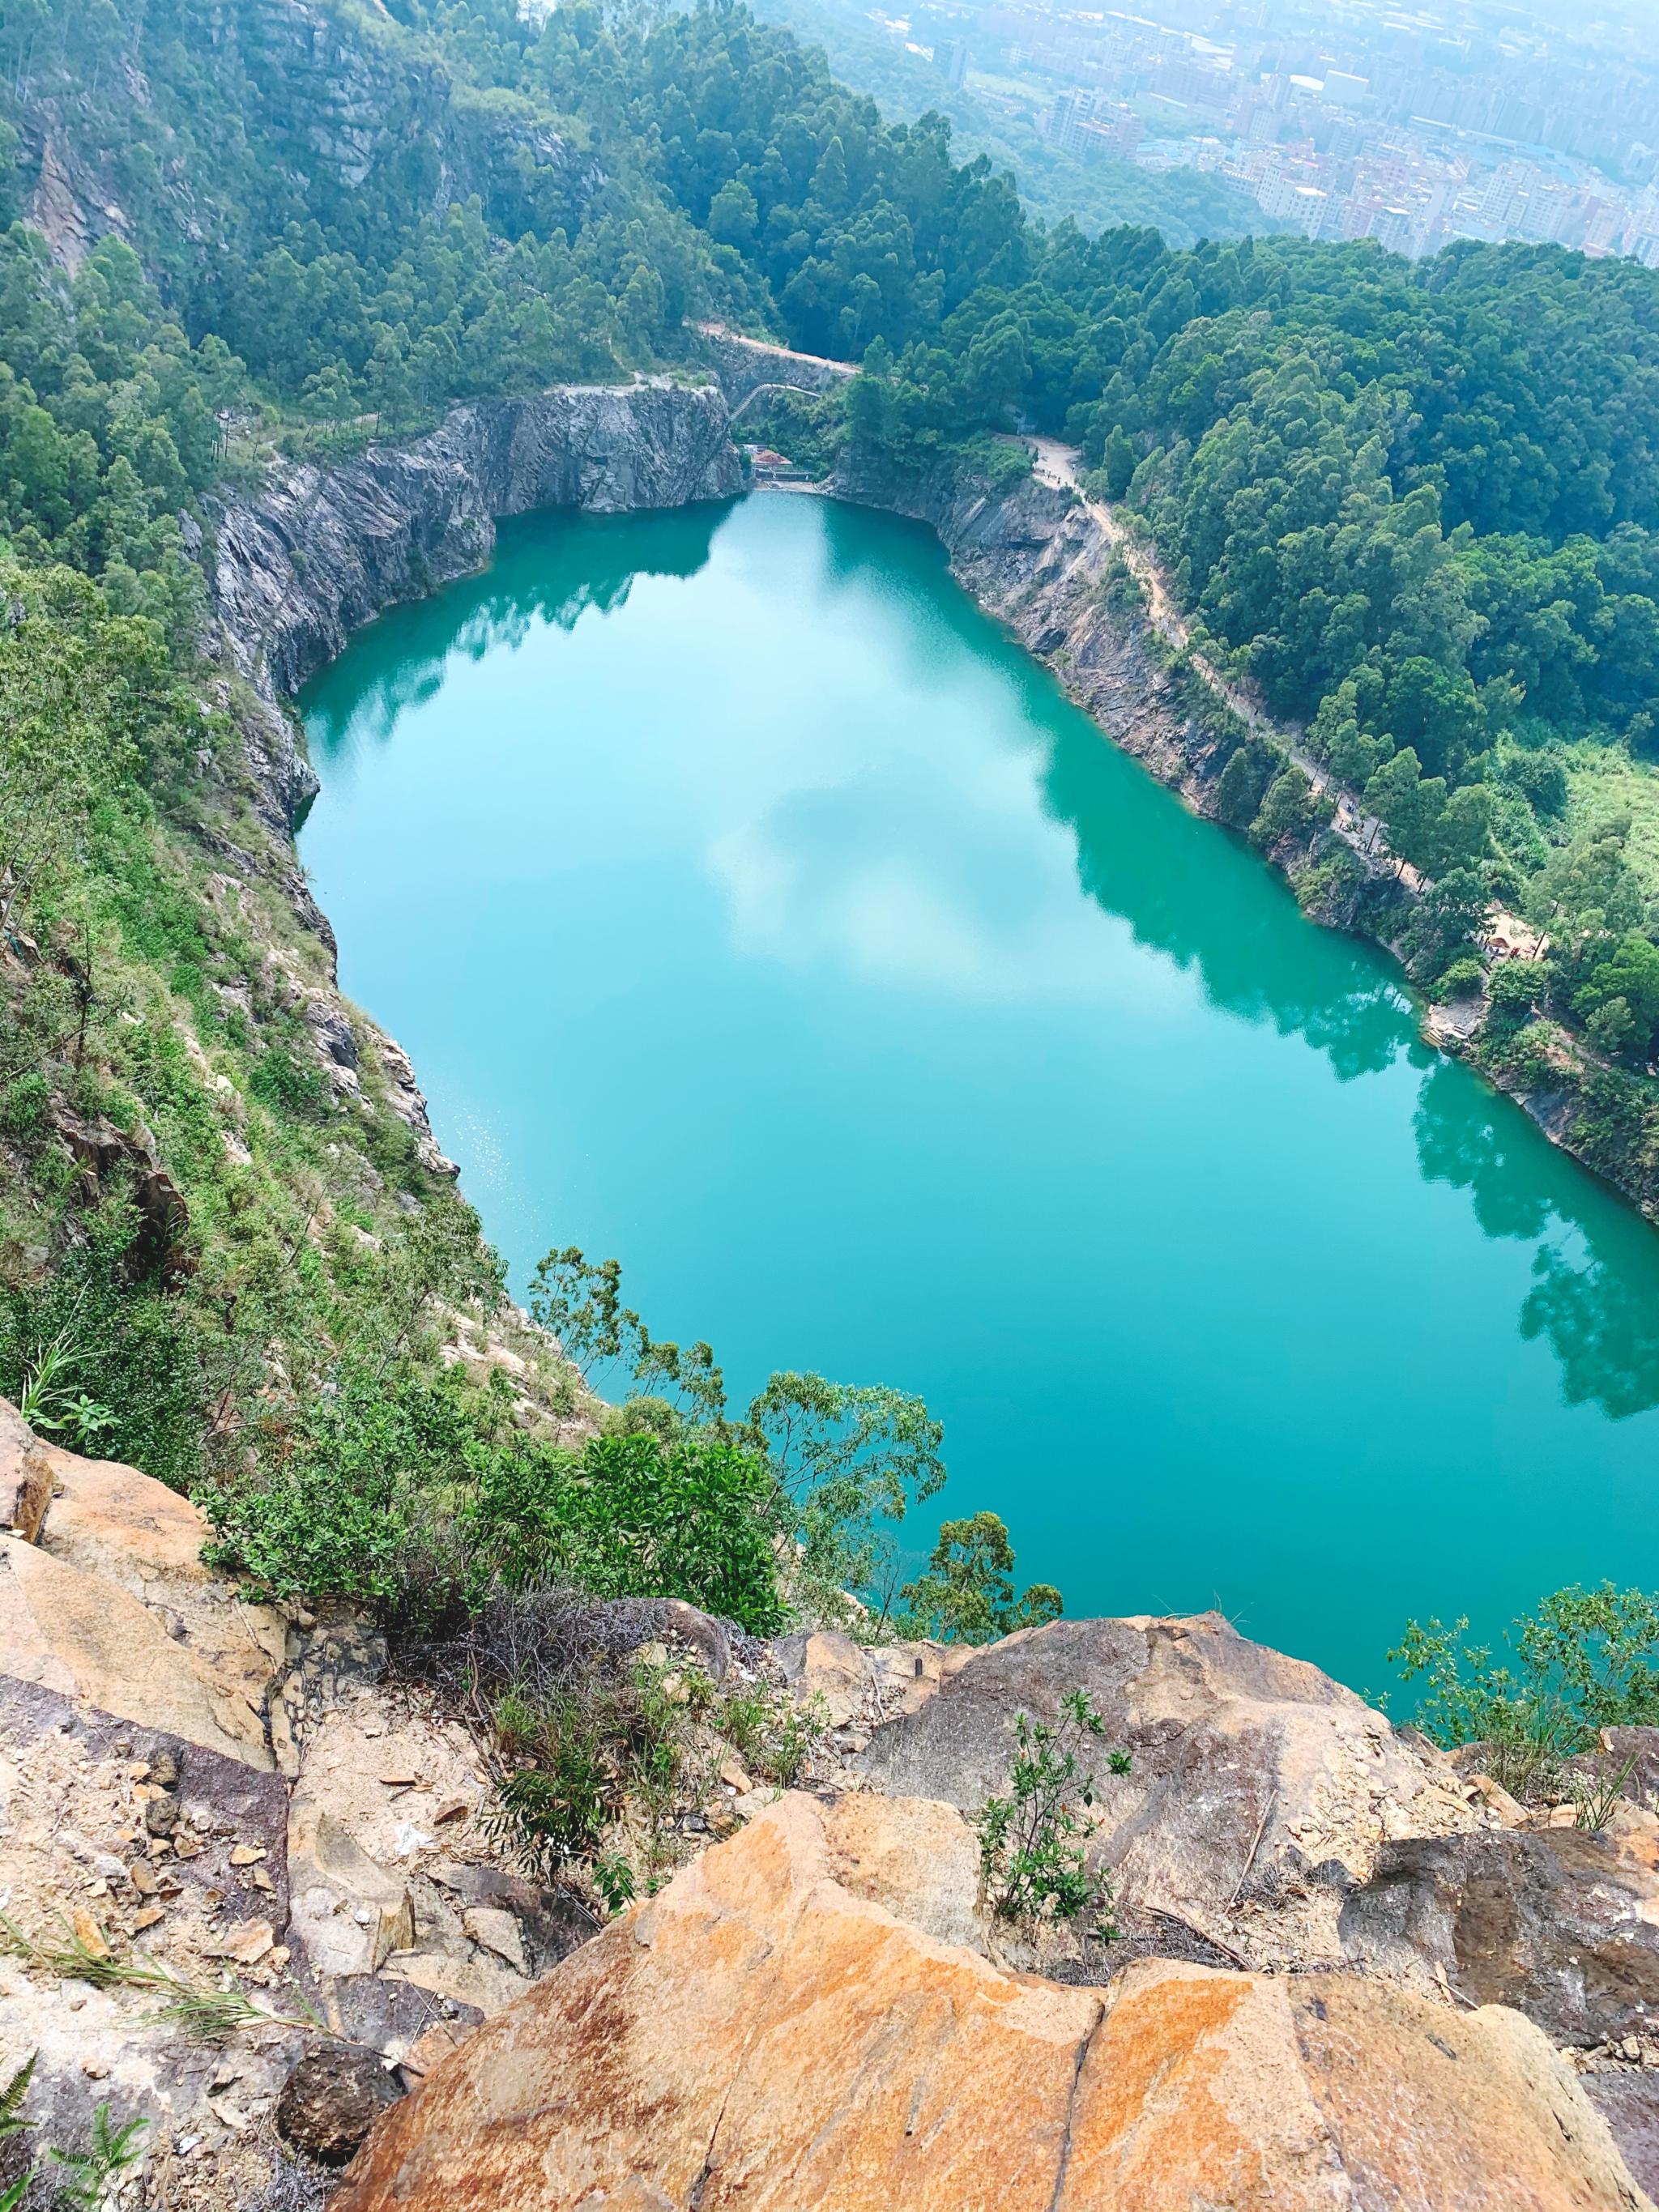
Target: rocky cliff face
[1341, 1974]
[299, 564]
[1033, 555]
[340, 94]
[295, 566]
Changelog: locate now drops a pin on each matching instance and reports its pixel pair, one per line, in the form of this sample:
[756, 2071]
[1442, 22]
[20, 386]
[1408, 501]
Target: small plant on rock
[91, 2176]
[554, 1809]
[1032, 1860]
[772, 1735]
[613, 1880]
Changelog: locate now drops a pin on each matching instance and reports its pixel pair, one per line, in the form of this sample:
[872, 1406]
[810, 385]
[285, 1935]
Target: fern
[93, 2173]
[12, 2122]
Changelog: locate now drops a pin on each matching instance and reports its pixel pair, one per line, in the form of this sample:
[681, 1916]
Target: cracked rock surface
[768, 2033]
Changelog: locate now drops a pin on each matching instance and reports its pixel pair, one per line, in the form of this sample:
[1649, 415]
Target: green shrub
[1289, 809]
[1611, 1028]
[1462, 978]
[351, 1499]
[1031, 1860]
[634, 1515]
[556, 1809]
[1002, 463]
[26, 1106]
[1526, 1058]
[586, 1748]
[394, 1489]
[290, 1086]
[1243, 782]
[1584, 1661]
[770, 1732]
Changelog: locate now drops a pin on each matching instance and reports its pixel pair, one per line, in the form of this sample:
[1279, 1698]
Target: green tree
[967, 1594]
[1118, 460]
[1410, 806]
[1630, 975]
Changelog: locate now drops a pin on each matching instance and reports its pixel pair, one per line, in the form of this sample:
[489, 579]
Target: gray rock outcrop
[1258, 1792]
[315, 552]
[1563, 1926]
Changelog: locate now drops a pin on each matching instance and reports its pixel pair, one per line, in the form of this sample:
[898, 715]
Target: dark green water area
[755, 912]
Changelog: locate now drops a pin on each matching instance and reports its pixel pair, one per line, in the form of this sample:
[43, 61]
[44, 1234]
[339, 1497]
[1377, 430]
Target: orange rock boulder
[768, 2033]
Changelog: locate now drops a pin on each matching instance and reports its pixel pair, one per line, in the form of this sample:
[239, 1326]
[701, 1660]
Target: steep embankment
[297, 564]
[315, 552]
[1037, 557]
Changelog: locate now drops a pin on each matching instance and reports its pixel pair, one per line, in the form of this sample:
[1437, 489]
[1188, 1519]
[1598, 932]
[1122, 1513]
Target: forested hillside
[1416, 505]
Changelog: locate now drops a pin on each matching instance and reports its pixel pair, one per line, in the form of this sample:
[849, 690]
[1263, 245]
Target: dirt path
[1056, 464]
[779, 352]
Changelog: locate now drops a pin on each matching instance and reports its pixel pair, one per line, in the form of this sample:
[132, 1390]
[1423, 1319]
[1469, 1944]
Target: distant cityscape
[1411, 127]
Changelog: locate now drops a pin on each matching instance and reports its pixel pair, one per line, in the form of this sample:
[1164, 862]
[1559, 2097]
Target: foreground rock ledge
[763, 2035]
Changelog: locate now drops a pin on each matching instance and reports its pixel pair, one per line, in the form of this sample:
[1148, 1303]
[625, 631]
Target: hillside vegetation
[1416, 506]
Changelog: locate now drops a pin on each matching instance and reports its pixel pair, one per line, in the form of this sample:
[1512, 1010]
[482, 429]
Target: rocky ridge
[1342, 1971]
[340, 94]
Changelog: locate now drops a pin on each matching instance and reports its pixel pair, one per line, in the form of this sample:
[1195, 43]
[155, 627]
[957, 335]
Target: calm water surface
[755, 912]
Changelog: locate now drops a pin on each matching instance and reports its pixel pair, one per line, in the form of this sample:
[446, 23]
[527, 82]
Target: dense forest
[1416, 506]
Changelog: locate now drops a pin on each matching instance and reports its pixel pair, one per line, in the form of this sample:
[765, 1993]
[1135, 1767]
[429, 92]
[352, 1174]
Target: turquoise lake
[755, 912]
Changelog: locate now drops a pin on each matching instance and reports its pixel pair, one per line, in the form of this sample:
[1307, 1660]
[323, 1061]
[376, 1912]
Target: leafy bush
[1031, 1862]
[1445, 921]
[1462, 979]
[770, 1732]
[289, 1085]
[843, 1459]
[1243, 782]
[1514, 987]
[633, 1516]
[394, 1488]
[347, 1507]
[1584, 1661]
[1001, 463]
[1525, 1057]
[1290, 808]
[26, 1106]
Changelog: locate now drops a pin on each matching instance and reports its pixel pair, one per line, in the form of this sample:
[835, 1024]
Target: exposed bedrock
[300, 563]
[769, 2032]
[1345, 1974]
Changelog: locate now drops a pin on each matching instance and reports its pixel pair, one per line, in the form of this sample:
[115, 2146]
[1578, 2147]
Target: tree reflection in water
[1595, 1295]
